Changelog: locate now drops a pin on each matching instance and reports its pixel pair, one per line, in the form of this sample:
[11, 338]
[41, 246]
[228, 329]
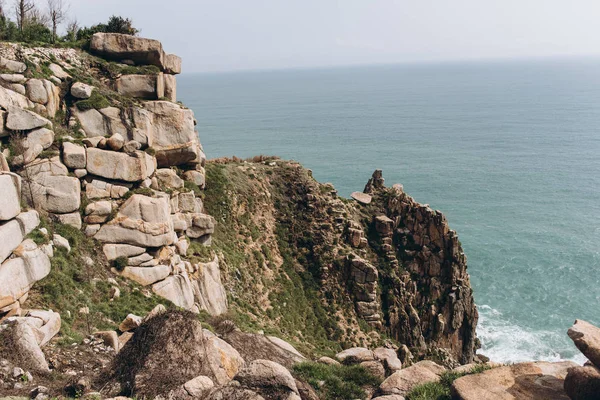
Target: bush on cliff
[336, 382]
[163, 354]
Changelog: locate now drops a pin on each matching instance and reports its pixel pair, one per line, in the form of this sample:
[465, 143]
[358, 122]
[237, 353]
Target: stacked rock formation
[583, 382]
[135, 163]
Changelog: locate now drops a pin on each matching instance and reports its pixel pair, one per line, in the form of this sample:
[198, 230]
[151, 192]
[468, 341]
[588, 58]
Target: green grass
[336, 382]
[72, 285]
[441, 390]
[96, 101]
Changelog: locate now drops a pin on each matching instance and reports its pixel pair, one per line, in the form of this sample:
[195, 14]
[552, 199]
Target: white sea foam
[505, 342]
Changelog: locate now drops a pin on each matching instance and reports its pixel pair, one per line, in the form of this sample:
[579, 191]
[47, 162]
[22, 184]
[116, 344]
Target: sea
[509, 151]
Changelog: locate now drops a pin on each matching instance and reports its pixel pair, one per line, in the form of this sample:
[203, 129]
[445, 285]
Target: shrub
[336, 382]
[120, 263]
[96, 101]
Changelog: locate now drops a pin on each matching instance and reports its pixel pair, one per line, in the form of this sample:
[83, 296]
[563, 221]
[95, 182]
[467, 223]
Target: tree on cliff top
[115, 24]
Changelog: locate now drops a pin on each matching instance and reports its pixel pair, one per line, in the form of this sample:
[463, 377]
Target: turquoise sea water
[509, 151]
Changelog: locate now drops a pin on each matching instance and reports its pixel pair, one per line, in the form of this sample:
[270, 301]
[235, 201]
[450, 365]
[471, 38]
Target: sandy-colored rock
[403, 381]
[13, 232]
[120, 166]
[36, 91]
[26, 350]
[587, 339]
[81, 90]
[196, 177]
[583, 383]
[142, 221]
[13, 78]
[58, 72]
[42, 136]
[115, 142]
[10, 98]
[170, 87]
[147, 275]
[389, 358]
[19, 119]
[110, 338]
[199, 387]
[147, 87]
[30, 265]
[328, 361]
[92, 122]
[355, 355]
[361, 197]
[50, 324]
[267, 378]
[130, 323]
[210, 293]
[253, 346]
[532, 380]
[74, 156]
[177, 289]
[46, 185]
[12, 65]
[73, 219]
[10, 196]
[114, 251]
[172, 64]
[224, 360]
[171, 132]
[168, 178]
[118, 47]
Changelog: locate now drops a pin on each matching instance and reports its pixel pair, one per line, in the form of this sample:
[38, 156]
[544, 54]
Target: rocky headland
[132, 266]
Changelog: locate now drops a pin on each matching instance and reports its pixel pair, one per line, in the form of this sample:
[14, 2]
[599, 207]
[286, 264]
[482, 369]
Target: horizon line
[423, 62]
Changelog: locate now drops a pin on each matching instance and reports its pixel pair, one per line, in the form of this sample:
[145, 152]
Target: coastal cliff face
[326, 271]
[109, 208]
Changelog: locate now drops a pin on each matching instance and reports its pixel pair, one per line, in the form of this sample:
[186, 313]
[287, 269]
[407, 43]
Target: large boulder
[120, 166]
[74, 155]
[19, 119]
[141, 221]
[177, 289]
[47, 186]
[532, 380]
[403, 381]
[253, 346]
[172, 64]
[13, 232]
[10, 98]
[587, 339]
[355, 355]
[29, 266]
[171, 132]
[119, 47]
[267, 378]
[149, 275]
[148, 87]
[209, 289]
[18, 343]
[224, 360]
[583, 383]
[10, 196]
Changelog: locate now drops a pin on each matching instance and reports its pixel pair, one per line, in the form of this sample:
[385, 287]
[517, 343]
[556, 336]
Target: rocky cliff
[110, 208]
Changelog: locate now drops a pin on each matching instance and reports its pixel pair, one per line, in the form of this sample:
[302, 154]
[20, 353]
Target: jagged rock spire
[375, 183]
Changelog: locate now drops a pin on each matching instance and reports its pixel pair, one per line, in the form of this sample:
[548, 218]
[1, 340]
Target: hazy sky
[221, 35]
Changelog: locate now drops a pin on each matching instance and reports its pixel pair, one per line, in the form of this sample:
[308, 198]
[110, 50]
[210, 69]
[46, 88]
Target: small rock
[81, 90]
[115, 142]
[130, 323]
[60, 241]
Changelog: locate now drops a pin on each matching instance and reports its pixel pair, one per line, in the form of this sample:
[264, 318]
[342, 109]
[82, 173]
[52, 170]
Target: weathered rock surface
[209, 289]
[24, 346]
[583, 383]
[587, 339]
[81, 90]
[74, 156]
[534, 380]
[355, 355]
[12, 233]
[177, 289]
[253, 346]
[149, 275]
[403, 381]
[10, 197]
[19, 119]
[199, 387]
[148, 87]
[120, 166]
[46, 185]
[115, 46]
[224, 360]
[142, 221]
[361, 197]
[30, 265]
[267, 378]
